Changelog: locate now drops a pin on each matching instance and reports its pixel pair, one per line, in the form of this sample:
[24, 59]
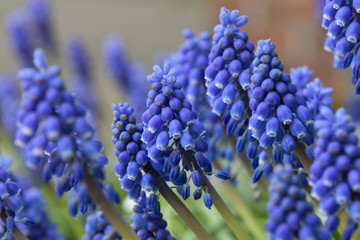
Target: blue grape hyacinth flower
[129, 75]
[81, 78]
[279, 118]
[9, 103]
[300, 77]
[335, 175]
[20, 39]
[340, 19]
[42, 228]
[40, 15]
[98, 227]
[228, 79]
[171, 128]
[58, 140]
[147, 220]
[131, 153]
[290, 215]
[192, 60]
[132, 158]
[22, 206]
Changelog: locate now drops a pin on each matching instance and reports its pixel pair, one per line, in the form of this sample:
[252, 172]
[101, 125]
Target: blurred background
[152, 29]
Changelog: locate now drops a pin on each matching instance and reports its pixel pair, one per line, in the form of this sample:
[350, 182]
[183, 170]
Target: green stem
[220, 205]
[109, 210]
[177, 204]
[243, 211]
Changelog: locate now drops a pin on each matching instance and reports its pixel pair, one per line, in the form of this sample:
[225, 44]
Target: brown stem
[177, 204]
[17, 234]
[220, 205]
[109, 210]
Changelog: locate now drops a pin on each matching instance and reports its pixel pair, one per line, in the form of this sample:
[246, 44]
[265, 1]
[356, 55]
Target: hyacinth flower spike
[172, 134]
[340, 19]
[60, 143]
[128, 74]
[290, 215]
[81, 79]
[137, 174]
[11, 206]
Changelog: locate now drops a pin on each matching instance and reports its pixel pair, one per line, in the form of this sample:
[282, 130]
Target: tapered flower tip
[208, 200]
[188, 33]
[147, 183]
[222, 174]
[39, 59]
[227, 18]
[265, 47]
[138, 220]
[257, 174]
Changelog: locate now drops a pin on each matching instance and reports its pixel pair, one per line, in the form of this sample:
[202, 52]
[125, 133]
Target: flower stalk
[220, 205]
[177, 204]
[16, 232]
[109, 210]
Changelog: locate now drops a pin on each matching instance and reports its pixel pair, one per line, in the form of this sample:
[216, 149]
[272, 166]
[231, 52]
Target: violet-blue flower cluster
[11, 205]
[40, 15]
[130, 151]
[132, 157]
[128, 74]
[81, 78]
[29, 28]
[228, 79]
[147, 220]
[230, 57]
[279, 118]
[34, 204]
[300, 77]
[335, 174]
[19, 38]
[340, 19]
[192, 60]
[98, 227]
[57, 139]
[9, 103]
[279, 115]
[170, 125]
[290, 215]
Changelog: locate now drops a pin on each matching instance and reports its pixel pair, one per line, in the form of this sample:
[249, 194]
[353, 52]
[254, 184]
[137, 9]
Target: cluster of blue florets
[55, 134]
[132, 158]
[192, 60]
[229, 61]
[98, 227]
[335, 174]
[147, 219]
[341, 20]
[131, 153]
[11, 204]
[81, 76]
[22, 206]
[300, 77]
[231, 55]
[279, 116]
[29, 28]
[127, 74]
[9, 104]
[169, 126]
[290, 215]
[42, 228]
